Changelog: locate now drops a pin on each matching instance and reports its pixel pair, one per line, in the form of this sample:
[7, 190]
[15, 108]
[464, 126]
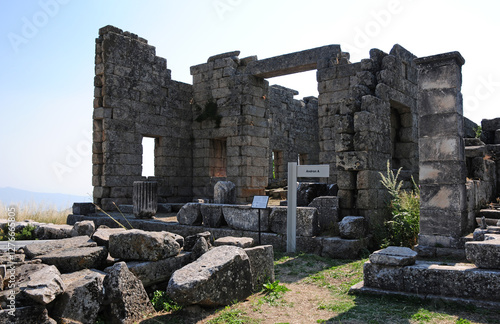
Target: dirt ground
[318, 293]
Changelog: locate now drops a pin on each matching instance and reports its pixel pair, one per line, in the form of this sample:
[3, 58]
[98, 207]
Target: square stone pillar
[443, 206]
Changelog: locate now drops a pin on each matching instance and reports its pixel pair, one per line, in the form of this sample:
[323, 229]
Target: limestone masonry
[231, 125]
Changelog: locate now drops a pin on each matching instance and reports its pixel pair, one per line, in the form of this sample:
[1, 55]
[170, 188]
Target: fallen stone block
[42, 285]
[71, 260]
[190, 214]
[83, 228]
[484, 254]
[141, 245]
[242, 242]
[81, 301]
[154, 272]
[35, 249]
[200, 247]
[338, 248]
[225, 192]
[212, 215]
[352, 227]
[246, 218]
[101, 235]
[27, 315]
[261, 265]
[53, 232]
[218, 277]
[125, 295]
[191, 240]
[328, 212]
[394, 256]
[307, 221]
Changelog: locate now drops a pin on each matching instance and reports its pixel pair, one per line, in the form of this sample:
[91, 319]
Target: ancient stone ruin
[83, 274]
[230, 125]
[228, 137]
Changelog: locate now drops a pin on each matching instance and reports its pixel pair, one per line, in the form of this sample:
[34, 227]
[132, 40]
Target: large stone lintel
[441, 58]
[292, 63]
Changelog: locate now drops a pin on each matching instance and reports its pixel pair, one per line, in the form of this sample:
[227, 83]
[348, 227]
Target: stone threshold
[360, 289]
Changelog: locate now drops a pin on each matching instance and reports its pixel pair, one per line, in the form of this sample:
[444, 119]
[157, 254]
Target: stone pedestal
[443, 206]
[145, 198]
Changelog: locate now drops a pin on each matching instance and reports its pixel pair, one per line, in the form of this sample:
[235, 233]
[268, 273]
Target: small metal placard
[313, 171]
[260, 202]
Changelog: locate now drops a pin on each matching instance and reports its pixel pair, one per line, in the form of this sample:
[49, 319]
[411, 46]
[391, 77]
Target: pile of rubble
[108, 272]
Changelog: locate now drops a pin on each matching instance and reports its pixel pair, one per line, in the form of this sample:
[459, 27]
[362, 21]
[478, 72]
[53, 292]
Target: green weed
[232, 316]
[403, 228]
[161, 302]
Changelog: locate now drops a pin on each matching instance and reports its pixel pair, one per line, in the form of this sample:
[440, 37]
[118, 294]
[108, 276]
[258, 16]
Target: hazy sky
[47, 65]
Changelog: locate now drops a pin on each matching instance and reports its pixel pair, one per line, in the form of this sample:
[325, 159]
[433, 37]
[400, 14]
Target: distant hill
[60, 201]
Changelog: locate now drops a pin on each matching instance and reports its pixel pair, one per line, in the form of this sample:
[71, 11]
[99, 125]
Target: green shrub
[403, 227]
[161, 302]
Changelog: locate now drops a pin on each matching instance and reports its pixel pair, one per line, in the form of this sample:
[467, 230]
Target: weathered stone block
[484, 254]
[212, 215]
[82, 298]
[307, 221]
[383, 276]
[225, 192]
[71, 260]
[83, 208]
[246, 218]
[52, 232]
[328, 211]
[39, 248]
[126, 298]
[338, 248]
[141, 245]
[155, 272]
[190, 214]
[394, 256]
[83, 228]
[242, 242]
[101, 235]
[352, 227]
[42, 285]
[261, 265]
[218, 277]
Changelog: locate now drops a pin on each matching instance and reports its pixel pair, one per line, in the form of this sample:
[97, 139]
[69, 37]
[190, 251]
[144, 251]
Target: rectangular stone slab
[292, 63]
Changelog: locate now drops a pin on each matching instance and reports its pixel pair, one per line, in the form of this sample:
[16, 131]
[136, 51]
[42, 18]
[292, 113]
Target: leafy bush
[403, 228]
[161, 302]
[28, 233]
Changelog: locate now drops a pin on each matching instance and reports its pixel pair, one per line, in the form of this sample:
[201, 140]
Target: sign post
[294, 171]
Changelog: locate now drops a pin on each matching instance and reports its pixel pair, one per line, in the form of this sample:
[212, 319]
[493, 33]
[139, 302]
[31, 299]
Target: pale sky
[47, 66]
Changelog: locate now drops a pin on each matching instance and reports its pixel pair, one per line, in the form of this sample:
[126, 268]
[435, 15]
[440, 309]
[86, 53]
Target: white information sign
[260, 202]
[313, 171]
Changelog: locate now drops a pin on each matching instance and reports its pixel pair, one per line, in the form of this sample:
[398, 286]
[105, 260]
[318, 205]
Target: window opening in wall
[302, 159]
[277, 159]
[218, 157]
[304, 82]
[148, 156]
[395, 137]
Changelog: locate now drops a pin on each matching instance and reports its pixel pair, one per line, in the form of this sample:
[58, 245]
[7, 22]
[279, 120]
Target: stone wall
[243, 132]
[293, 132]
[367, 116]
[134, 98]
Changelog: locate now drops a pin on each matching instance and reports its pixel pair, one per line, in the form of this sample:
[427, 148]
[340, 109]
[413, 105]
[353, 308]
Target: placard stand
[260, 202]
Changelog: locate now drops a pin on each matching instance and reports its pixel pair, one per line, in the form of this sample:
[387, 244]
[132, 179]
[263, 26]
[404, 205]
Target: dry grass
[38, 212]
